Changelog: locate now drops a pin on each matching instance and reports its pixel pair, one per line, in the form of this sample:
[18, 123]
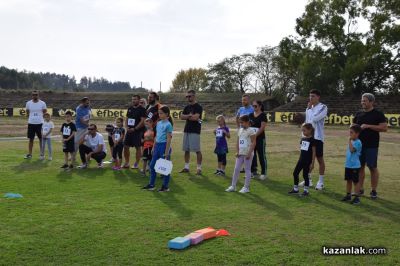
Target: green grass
[99, 217]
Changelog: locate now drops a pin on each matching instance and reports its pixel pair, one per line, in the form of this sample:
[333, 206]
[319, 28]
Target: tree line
[341, 47]
[11, 79]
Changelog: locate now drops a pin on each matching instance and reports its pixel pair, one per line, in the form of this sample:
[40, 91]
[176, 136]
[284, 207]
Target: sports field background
[98, 216]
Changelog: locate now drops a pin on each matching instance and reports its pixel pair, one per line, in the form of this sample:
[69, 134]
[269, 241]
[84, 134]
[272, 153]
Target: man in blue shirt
[82, 121]
[246, 108]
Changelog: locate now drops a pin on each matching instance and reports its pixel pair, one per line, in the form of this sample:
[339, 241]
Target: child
[68, 130]
[47, 129]
[306, 160]
[221, 147]
[117, 138]
[244, 154]
[148, 143]
[353, 165]
[161, 148]
[109, 129]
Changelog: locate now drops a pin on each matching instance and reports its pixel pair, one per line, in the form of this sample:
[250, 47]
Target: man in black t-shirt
[372, 122]
[153, 106]
[192, 113]
[134, 124]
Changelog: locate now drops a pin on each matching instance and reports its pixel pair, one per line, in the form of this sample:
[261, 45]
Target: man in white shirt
[91, 146]
[315, 114]
[35, 109]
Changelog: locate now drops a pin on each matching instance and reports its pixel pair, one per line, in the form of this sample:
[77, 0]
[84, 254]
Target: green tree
[193, 78]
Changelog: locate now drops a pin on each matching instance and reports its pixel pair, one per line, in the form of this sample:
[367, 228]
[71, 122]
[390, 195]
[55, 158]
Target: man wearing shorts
[35, 109]
[315, 115]
[192, 113]
[372, 122]
[82, 120]
[134, 124]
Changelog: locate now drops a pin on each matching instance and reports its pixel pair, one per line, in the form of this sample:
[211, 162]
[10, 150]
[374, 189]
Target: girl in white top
[244, 154]
[47, 129]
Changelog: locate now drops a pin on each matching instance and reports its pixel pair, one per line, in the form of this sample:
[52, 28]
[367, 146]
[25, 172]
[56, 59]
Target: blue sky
[137, 40]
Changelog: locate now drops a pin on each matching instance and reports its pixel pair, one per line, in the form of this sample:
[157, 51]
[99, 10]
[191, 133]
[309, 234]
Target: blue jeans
[159, 150]
[47, 141]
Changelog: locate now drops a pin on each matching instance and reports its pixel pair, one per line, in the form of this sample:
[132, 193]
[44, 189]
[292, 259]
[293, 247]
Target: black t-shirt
[152, 112]
[369, 137]
[306, 145]
[67, 129]
[134, 115]
[256, 122]
[118, 132]
[193, 126]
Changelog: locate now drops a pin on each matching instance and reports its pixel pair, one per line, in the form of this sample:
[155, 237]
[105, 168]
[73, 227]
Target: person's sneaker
[64, 166]
[217, 172]
[116, 168]
[361, 191]
[254, 175]
[71, 166]
[262, 177]
[347, 198]
[83, 166]
[230, 189]
[301, 184]
[148, 187]
[293, 191]
[356, 201]
[184, 170]
[41, 157]
[135, 166]
[305, 193]
[100, 165]
[319, 186]
[163, 189]
[221, 173]
[28, 156]
[50, 159]
[373, 194]
[244, 190]
[125, 166]
[198, 172]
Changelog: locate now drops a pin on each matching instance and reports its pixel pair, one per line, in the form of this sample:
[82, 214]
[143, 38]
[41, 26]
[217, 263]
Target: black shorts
[319, 148]
[369, 157]
[352, 174]
[34, 129]
[133, 139]
[110, 142]
[147, 156]
[69, 146]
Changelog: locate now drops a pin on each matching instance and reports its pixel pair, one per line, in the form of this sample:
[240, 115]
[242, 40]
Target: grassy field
[101, 217]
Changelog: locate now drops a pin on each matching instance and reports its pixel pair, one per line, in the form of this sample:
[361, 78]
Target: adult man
[134, 125]
[192, 113]
[35, 109]
[372, 122]
[81, 122]
[315, 114]
[245, 109]
[92, 145]
[153, 106]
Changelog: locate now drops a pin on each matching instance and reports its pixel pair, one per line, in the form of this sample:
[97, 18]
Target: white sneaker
[82, 166]
[41, 157]
[262, 177]
[50, 158]
[100, 165]
[230, 189]
[319, 186]
[244, 190]
[301, 184]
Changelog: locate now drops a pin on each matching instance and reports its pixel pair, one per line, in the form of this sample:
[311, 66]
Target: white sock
[306, 189]
[321, 178]
[186, 165]
[199, 167]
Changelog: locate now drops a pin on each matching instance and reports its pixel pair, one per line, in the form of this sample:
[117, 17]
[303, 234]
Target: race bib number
[67, 131]
[117, 136]
[305, 145]
[243, 143]
[219, 133]
[46, 130]
[150, 115]
[131, 122]
[35, 114]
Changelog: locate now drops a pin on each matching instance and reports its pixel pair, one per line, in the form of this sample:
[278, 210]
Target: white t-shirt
[94, 142]
[35, 111]
[46, 128]
[245, 140]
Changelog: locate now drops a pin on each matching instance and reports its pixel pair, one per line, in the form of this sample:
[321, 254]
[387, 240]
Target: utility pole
[160, 86]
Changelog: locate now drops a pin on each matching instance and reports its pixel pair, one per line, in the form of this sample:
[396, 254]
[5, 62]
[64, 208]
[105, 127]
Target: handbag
[163, 167]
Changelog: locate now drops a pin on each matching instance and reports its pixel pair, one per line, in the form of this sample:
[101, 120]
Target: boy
[148, 143]
[68, 131]
[353, 164]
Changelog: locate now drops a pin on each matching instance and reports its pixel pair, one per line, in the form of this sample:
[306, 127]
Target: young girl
[148, 143]
[47, 129]
[110, 129]
[221, 147]
[161, 148]
[306, 160]
[117, 139]
[244, 154]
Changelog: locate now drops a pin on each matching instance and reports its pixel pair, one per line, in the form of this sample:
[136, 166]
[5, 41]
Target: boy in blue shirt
[353, 165]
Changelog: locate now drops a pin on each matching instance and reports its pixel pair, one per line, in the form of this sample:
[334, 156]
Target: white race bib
[117, 136]
[243, 143]
[35, 114]
[131, 122]
[305, 145]
[46, 130]
[67, 131]
[219, 133]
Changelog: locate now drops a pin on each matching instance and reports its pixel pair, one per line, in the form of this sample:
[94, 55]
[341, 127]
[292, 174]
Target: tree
[193, 78]
[265, 68]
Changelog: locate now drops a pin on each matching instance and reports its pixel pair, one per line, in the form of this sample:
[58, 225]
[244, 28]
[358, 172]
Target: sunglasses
[91, 129]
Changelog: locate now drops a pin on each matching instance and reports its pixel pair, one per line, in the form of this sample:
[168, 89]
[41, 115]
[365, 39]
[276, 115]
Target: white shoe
[50, 158]
[41, 157]
[82, 166]
[319, 186]
[301, 184]
[262, 177]
[244, 190]
[230, 189]
[100, 165]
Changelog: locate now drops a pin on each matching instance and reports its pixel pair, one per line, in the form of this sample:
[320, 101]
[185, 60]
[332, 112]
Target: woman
[259, 122]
